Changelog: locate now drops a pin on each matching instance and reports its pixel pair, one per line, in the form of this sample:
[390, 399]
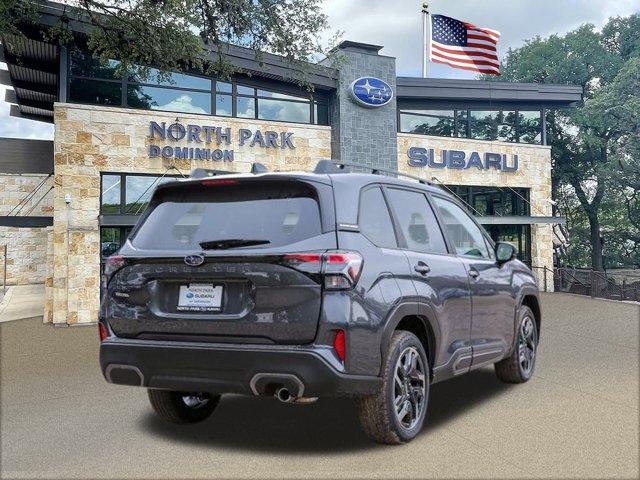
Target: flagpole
[426, 37]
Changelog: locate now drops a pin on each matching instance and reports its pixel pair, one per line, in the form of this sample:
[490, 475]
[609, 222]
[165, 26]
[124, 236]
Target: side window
[374, 220]
[467, 238]
[417, 221]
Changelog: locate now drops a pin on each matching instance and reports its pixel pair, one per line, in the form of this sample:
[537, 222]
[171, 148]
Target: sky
[397, 25]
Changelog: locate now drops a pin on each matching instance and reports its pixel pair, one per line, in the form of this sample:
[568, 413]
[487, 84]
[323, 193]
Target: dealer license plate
[200, 297]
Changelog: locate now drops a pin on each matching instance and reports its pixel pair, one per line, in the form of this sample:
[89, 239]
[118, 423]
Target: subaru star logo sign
[194, 260]
[371, 92]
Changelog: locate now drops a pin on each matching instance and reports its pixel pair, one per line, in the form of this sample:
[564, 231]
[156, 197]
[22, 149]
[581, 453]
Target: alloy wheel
[527, 343]
[409, 388]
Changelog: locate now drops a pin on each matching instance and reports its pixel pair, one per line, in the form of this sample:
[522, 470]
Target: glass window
[111, 199]
[428, 122]
[95, 92]
[283, 110]
[374, 220]
[139, 189]
[417, 221]
[529, 127]
[152, 75]
[156, 98]
[242, 90]
[110, 241]
[462, 120]
[83, 64]
[321, 113]
[223, 87]
[245, 107]
[484, 125]
[466, 236]
[274, 213]
[267, 93]
[223, 105]
[506, 124]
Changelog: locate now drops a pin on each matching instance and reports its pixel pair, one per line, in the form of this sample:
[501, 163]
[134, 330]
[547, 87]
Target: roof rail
[206, 172]
[336, 166]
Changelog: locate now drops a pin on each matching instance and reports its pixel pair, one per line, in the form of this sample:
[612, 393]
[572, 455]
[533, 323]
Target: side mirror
[505, 252]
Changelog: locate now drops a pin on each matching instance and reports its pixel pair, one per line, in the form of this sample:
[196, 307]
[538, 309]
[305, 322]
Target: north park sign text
[222, 137]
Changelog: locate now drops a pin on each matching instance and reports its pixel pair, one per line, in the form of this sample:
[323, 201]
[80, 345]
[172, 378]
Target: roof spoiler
[206, 172]
[336, 166]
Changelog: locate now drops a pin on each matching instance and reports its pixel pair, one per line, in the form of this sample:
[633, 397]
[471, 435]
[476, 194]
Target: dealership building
[66, 204]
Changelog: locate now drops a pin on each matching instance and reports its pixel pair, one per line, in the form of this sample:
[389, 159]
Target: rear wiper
[231, 243]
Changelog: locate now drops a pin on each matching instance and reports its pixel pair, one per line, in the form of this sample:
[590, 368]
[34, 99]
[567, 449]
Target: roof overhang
[469, 93]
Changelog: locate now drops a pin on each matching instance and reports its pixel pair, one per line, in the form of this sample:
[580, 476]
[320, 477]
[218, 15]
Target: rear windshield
[278, 213]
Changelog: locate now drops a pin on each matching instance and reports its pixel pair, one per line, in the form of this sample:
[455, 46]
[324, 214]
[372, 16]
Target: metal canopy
[519, 220]
[467, 93]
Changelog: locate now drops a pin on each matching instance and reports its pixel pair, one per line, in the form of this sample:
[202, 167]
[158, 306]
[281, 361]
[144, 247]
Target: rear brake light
[339, 345]
[340, 269]
[218, 181]
[102, 331]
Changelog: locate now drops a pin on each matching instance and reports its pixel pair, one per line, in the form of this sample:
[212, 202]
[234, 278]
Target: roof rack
[206, 172]
[336, 166]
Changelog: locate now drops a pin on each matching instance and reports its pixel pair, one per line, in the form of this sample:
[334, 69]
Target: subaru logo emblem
[371, 92]
[194, 260]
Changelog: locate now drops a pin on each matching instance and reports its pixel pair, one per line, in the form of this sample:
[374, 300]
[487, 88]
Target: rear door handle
[473, 273]
[422, 268]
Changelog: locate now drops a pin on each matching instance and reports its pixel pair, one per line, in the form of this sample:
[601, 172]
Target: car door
[492, 295]
[440, 277]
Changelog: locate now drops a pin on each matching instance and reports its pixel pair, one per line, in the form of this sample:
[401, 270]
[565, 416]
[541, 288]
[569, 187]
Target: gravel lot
[578, 417]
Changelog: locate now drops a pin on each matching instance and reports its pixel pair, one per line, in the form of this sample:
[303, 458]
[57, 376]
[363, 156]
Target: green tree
[595, 146]
[172, 35]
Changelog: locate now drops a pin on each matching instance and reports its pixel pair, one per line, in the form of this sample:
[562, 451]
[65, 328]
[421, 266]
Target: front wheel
[396, 413]
[518, 367]
[182, 407]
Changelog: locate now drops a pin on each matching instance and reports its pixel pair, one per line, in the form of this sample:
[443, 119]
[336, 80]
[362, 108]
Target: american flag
[463, 45]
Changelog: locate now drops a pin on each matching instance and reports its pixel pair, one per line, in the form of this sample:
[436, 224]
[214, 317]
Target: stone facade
[26, 247]
[89, 140]
[360, 134]
[534, 173]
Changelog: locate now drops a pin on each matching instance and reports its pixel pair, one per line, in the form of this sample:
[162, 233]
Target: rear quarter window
[280, 213]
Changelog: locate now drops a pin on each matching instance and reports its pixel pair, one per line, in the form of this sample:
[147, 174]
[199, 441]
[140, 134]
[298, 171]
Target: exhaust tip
[284, 395]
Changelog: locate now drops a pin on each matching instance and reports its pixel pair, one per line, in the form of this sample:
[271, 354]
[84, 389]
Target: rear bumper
[225, 368]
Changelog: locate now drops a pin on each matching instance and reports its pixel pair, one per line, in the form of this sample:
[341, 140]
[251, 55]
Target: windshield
[255, 216]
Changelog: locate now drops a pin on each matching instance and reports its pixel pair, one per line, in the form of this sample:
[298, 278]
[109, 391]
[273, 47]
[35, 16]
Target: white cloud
[397, 25]
[184, 103]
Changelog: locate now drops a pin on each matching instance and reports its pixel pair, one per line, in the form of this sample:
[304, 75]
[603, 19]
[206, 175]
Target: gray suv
[307, 285]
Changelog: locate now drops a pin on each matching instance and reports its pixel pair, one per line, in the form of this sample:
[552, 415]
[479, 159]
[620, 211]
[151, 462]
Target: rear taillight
[339, 345]
[102, 331]
[340, 269]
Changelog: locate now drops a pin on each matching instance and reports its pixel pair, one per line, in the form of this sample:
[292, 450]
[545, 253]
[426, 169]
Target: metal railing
[611, 284]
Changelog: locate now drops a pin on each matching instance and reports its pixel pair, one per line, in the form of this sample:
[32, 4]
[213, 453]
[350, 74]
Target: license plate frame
[200, 297]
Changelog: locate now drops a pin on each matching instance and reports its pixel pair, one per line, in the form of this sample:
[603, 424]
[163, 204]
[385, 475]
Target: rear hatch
[219, 260]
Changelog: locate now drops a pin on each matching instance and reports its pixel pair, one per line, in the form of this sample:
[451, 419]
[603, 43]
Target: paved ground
[22, 301]
[578, 416]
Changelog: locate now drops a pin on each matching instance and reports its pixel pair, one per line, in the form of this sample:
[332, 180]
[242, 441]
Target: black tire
[511, 369]
[182, 407]
[378, 412]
